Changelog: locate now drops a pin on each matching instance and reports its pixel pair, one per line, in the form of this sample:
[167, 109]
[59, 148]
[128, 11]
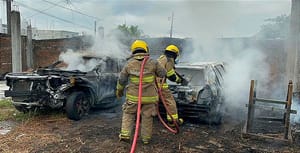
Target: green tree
[130, 31]
[274, 28]
[127, 33]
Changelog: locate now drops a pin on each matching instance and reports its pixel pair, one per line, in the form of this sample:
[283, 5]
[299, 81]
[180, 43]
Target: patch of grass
[13, 114]
[6, 114]
[20, 116]
[6, 103]
[9, 112]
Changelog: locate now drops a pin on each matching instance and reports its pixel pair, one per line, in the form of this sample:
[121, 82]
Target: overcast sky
[220, 18]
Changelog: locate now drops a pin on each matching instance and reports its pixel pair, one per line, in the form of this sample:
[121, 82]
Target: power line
[44, 10]
[67, 21]
[72, 10]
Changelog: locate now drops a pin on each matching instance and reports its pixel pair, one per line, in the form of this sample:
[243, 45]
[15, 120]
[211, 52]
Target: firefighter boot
[175, 117]
[146, 141]
[179, 121]
[124, 138]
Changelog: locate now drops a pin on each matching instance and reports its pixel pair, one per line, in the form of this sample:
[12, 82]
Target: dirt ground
[98, 132]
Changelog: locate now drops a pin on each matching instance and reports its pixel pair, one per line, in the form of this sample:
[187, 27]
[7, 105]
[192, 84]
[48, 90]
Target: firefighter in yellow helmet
[167, 61]
[129, 79]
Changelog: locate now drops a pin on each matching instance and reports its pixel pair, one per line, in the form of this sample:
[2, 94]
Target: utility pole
[8, 16]
[293, 48]
[16, 42]
[171, 30]
[29, 54]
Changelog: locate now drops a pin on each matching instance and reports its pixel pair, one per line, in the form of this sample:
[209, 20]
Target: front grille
[22, 85]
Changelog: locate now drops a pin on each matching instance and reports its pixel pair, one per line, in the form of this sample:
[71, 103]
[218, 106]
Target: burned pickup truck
[203, 98]
[73, 90]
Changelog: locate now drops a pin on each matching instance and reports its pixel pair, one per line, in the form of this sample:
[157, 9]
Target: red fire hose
[162, 98]
[137, 124]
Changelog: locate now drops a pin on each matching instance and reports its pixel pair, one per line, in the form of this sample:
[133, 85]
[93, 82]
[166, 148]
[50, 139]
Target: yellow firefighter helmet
[139, 45]
[173, 48]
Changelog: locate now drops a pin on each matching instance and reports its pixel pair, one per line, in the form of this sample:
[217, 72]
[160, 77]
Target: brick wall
[5, 53]
[48, 51]
[45, 52]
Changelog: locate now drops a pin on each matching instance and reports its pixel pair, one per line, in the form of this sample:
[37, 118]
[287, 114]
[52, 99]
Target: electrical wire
[53, 16]
[43, 10]
[72, 10]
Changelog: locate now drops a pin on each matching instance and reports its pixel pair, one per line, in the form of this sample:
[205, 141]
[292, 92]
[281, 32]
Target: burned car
[202, 99]
[73, 90]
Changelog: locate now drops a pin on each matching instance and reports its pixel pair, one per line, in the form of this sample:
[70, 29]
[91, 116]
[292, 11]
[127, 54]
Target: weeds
[6, 103]
[8, 112]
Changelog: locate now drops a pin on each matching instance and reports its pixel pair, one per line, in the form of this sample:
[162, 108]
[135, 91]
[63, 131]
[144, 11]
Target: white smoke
[295, 118]
[244, 62]
[110, 46]
[242, 65]
[75, 61]
[246, 65]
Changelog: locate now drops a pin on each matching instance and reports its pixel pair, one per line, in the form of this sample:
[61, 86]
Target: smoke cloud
[241, 65]
[111, 45]
[108, 46]
[75, 61]
[204, 21]
[243, 62]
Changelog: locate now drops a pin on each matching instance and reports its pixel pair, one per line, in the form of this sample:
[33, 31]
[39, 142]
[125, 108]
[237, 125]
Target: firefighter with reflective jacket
[130, 76]
[167, 61]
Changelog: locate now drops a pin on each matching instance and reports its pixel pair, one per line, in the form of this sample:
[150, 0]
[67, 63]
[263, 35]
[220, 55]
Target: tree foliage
[130, 31]
[126, 33]
[275, 28]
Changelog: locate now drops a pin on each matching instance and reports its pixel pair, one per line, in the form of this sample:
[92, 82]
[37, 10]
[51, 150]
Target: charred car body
[202, 99]
[75, 91]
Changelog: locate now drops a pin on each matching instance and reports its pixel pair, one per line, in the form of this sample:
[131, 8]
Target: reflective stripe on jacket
[168, 64]
[146, 79]
[130, 76]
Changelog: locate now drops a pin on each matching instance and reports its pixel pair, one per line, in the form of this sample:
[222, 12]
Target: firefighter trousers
[129, 116]
[170, 104]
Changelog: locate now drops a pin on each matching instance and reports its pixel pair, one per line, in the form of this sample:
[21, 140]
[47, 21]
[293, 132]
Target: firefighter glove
[184, 82]
[119, 93]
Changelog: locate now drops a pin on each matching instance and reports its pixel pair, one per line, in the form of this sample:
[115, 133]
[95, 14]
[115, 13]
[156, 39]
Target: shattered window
[194, 76]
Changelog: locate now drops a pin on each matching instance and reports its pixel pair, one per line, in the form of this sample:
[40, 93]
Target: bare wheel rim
[81, 105]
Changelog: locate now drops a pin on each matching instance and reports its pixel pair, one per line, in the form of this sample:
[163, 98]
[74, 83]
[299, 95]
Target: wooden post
[288, 110]
[251, 106]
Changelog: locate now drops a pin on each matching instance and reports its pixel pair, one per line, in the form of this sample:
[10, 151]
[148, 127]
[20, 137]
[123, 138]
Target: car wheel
[77, 105]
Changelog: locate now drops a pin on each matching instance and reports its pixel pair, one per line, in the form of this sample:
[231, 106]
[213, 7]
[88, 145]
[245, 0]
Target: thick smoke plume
[243, 62]
[109, 46]
[241, 65]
